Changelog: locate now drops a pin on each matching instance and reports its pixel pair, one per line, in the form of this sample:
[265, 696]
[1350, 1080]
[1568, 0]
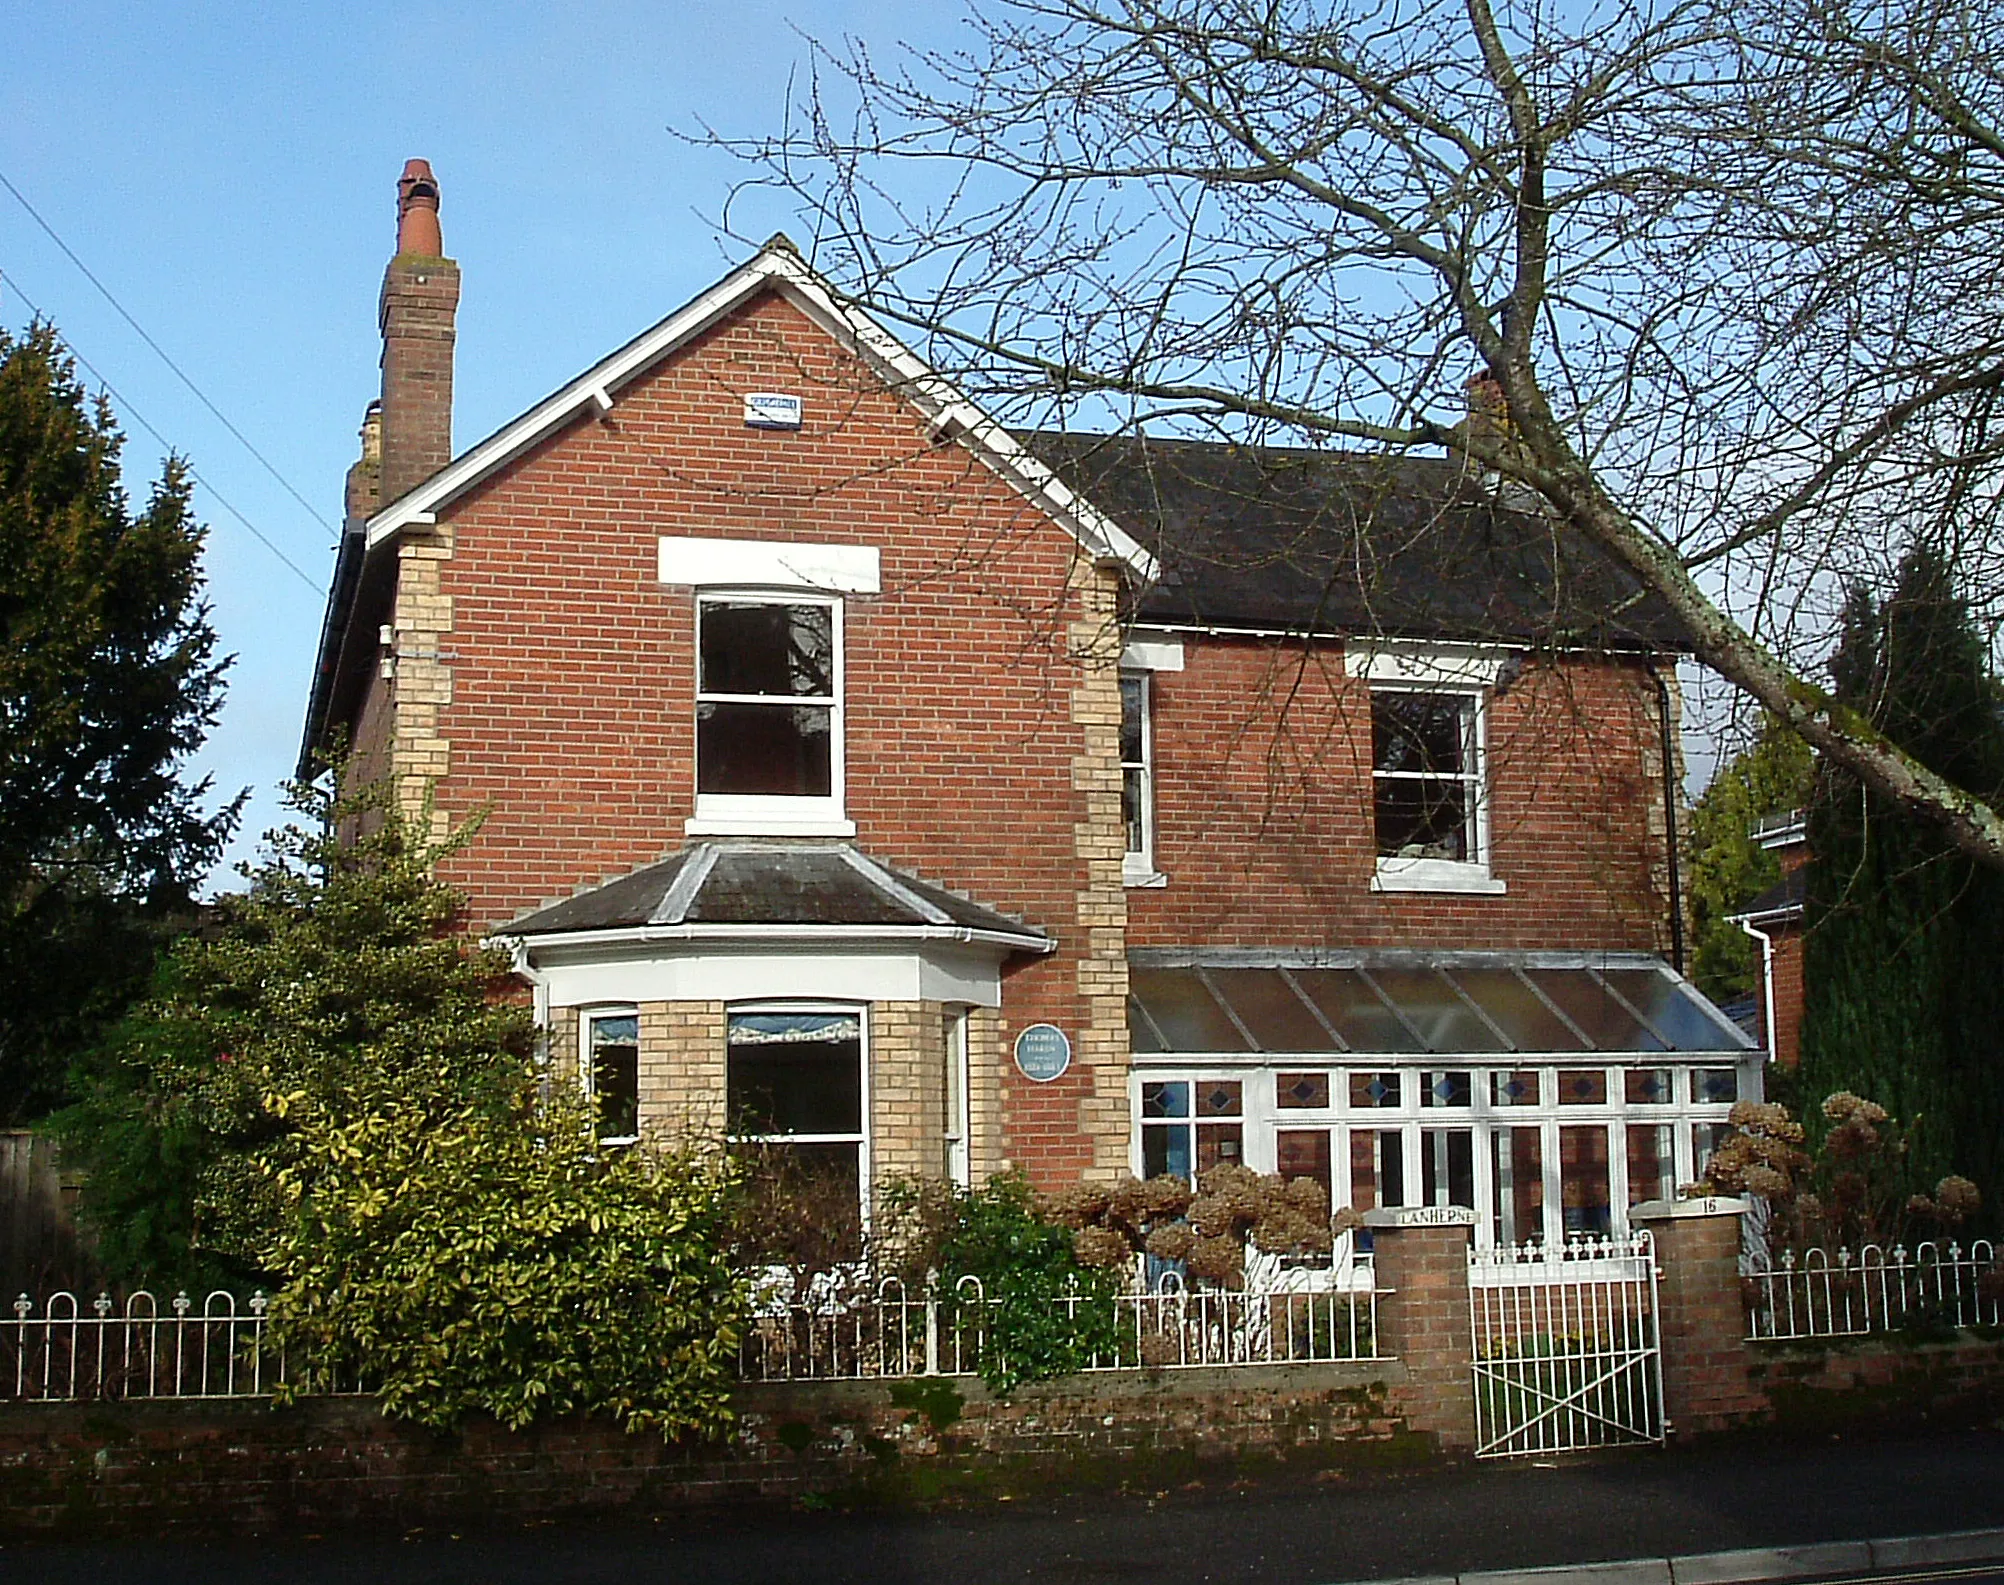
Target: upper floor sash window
[769, 749]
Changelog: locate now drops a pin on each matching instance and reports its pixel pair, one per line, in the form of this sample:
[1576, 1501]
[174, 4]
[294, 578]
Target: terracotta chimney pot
[417, 211]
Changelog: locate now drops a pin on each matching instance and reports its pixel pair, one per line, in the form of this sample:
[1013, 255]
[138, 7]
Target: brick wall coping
[1196, 1383]
[1421, 1216]
[1677, 1210]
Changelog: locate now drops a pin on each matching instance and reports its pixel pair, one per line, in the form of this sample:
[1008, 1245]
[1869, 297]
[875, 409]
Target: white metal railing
[64, 1349]
[67, 1350]
[892, 1331]
[1566, 1353]
[1855, 1293]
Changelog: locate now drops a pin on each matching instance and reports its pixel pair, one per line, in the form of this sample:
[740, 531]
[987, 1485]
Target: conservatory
[1546, 1091]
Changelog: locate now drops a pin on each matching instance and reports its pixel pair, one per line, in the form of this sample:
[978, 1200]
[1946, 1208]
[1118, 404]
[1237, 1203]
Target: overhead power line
[200, 396]
[140, 419]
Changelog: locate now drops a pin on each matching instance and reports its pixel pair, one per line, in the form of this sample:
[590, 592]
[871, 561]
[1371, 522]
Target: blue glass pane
[1171, 1099]
[1165, 1152]
[1715, 1086]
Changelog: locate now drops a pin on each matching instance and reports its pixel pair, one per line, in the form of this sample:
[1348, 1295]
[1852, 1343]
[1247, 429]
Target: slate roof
[749, 882]
[1785, 898]
[1340, 543]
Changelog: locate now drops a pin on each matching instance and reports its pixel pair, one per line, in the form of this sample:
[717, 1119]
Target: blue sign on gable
[1043, 1053]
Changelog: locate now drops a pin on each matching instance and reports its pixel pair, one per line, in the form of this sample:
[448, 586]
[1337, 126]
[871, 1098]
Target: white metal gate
[1566, 1352]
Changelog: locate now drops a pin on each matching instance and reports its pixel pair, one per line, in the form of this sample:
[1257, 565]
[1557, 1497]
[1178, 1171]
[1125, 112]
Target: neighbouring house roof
[1269, 537]
[725, 887]
[1744, 1011]
[1782, 829]
[1392, 1003]
[1782, 901]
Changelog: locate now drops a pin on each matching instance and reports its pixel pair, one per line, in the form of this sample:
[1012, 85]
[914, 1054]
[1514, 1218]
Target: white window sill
[1436, 875]
[1137, 871]
[756, 826]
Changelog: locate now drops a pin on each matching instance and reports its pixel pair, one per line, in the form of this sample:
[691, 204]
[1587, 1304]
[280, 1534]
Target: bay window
[794, 1098]
[610, 1052]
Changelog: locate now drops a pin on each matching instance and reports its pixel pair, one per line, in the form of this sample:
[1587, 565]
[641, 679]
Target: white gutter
[1766, 978]
[539, 982]
[959, 935]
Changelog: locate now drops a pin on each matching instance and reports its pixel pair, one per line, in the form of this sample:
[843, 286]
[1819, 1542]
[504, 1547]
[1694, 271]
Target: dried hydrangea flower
[1101, 1248]
[1307, 1196]
[1958, 1197]
[1216, 1260]
[1165, 1197]
[1844, 1107]
[1172, 1242]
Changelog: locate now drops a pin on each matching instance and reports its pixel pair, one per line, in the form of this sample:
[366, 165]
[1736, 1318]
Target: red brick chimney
[420, 298]
[365, 479]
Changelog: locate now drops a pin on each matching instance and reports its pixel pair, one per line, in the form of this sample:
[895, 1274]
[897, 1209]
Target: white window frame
[588, 1079]
[1262, 1117]
[1193, 1077]
[959, 1111]
[742, 814]
[1137, 865]
[860, 1011]
[1474, 876]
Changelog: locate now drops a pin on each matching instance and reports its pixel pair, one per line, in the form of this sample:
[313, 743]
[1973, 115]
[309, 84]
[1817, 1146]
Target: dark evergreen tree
[108, 681]
[334, 982]
[1904, 963]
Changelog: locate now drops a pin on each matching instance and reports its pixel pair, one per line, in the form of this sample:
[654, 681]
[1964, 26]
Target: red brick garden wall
[159, 1468]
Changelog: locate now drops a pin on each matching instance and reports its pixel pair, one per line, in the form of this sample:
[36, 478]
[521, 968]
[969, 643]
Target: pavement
[1740, 1509]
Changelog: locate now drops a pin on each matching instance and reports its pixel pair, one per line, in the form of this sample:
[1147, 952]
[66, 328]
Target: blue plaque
[1043, 1053]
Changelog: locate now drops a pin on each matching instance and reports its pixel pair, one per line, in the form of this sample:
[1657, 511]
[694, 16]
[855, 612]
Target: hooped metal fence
[65, 1349]
[1566, 1349]
[68, 1350]
[888, 1330]
[1856, 1293]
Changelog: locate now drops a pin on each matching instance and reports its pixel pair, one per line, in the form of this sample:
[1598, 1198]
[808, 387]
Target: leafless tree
[1727, 273]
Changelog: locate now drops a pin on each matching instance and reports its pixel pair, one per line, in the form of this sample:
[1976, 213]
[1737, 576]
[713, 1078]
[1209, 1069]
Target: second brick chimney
[419, 302]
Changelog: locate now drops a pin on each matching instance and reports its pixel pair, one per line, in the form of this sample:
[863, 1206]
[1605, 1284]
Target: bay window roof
[753, 884]
[1465, 1004]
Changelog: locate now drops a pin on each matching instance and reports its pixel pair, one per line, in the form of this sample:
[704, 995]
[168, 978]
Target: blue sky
[229, 172]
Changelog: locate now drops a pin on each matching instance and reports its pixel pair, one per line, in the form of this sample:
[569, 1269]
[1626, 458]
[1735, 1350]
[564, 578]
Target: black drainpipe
[1670, 820]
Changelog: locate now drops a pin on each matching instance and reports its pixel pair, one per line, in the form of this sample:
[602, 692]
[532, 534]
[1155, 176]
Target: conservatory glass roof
[1430, 1004]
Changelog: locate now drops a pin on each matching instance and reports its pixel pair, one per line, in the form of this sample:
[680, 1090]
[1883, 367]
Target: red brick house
[1774, 919]
[928, 798]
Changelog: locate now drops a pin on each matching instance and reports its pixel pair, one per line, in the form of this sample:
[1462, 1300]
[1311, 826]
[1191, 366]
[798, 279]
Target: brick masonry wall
[986, 1060]
[1264, 810]
[1424, 1323]
[543, 674]
[1788, 995]
[682, 1068]
[567, 708]
[1701, 1322]
[907, 1090]
[1858, 1383]
[160, 1468]
[417, 309]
